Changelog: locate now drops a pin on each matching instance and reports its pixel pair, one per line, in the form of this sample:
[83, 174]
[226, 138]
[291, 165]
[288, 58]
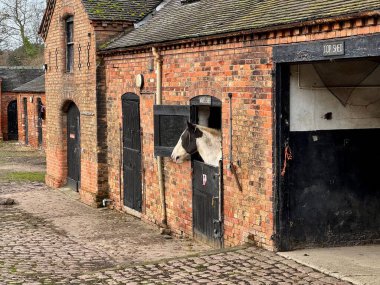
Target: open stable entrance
[207, 179]
[328, 138]
[132, 152]
[207, 195]
[73, 147]
[12, 121]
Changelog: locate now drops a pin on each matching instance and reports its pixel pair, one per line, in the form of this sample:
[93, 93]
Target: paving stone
[33, 250]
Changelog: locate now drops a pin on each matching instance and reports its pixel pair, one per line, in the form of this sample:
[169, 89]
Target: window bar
[79, 56]
[88, 54]
[56, 58]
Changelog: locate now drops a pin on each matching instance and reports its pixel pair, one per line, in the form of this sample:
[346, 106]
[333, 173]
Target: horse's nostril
[176, 158]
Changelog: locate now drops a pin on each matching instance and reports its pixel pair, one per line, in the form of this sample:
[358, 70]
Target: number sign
[331, 49]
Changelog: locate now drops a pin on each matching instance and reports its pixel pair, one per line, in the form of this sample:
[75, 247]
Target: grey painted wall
[310, 101]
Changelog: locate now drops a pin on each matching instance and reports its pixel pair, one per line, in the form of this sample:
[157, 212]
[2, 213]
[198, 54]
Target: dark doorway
[12, 121]
[327, 156]
[132, 152]
[25, 121]
[39, 120]
[207, 186]
[73, 147]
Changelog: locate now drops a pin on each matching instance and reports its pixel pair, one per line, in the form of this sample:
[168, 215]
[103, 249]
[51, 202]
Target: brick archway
[57, 167]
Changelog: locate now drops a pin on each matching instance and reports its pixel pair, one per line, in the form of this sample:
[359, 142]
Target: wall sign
[331, 49]
[354, 47]
[87, 113]
[205, 100]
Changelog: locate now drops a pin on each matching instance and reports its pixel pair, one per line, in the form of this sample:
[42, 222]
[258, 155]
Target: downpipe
[161, 185]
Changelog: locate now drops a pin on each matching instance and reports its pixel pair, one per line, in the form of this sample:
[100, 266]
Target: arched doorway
[132, 152]
[73, 147]
[206, 111]
[12, 121]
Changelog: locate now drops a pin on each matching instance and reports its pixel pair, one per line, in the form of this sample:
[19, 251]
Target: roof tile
[177, 21]
[119, 10]
[13, 77]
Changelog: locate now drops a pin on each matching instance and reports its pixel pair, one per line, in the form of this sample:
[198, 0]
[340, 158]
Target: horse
[206, 141]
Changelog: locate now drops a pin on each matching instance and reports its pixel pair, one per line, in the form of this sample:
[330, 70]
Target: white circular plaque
[139, 80]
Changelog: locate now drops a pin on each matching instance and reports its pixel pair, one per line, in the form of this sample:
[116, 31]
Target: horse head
[206, 141]
[187, 144]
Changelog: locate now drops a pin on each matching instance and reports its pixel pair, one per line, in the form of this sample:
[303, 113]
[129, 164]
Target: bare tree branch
[19, 21]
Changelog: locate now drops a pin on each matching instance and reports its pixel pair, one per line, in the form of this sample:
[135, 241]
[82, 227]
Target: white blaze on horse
[206, 141]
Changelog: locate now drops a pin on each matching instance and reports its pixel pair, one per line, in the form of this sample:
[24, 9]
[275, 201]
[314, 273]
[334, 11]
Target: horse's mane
[214, 132]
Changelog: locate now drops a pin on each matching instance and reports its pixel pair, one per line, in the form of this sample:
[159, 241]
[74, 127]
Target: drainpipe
[158, 62]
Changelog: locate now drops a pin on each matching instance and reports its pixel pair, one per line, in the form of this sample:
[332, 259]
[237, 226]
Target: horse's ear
[198, 133]
[190, 126]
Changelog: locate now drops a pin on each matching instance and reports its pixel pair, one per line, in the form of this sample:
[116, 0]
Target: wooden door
[207, 203]
[12, 121]
[39, 121]
[73, 147]
[132, 152]
[26, 127]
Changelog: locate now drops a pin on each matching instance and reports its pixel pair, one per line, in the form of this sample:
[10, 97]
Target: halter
[189, 143]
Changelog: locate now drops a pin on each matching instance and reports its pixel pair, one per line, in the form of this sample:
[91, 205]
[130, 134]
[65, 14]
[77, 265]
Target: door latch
[213, 200]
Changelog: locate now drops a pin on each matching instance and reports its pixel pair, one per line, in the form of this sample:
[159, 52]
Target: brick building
[253, 50]
[31, 112]
[74, 31]
[301, 81]
[10, 115]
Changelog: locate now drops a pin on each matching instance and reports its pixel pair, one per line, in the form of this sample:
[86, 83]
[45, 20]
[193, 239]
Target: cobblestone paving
[48, 238]
[245, 266]
[31, 249]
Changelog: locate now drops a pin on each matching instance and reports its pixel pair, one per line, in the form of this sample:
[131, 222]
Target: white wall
[309, 103]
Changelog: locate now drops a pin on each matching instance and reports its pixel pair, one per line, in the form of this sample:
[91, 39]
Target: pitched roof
[119, 10]
[110, 10]
[176, 21]
[13, 77]
[37, 85]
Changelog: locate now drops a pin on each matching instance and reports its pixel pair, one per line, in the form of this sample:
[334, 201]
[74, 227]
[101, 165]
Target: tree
[19, 21]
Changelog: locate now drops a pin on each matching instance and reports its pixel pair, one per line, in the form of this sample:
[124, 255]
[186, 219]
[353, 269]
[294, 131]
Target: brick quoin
[83, 87]
[241, 65]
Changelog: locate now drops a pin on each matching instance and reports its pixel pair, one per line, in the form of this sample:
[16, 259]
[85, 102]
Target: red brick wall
[6, 98]
[79, 87]
[215, 67]
[212, 70]
[32, 119]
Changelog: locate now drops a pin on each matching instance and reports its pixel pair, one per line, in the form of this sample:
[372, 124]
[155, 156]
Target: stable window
[169, 124]
[69, 44]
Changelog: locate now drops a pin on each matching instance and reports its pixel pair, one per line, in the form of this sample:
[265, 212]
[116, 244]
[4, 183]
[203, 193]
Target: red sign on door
[204, 179]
